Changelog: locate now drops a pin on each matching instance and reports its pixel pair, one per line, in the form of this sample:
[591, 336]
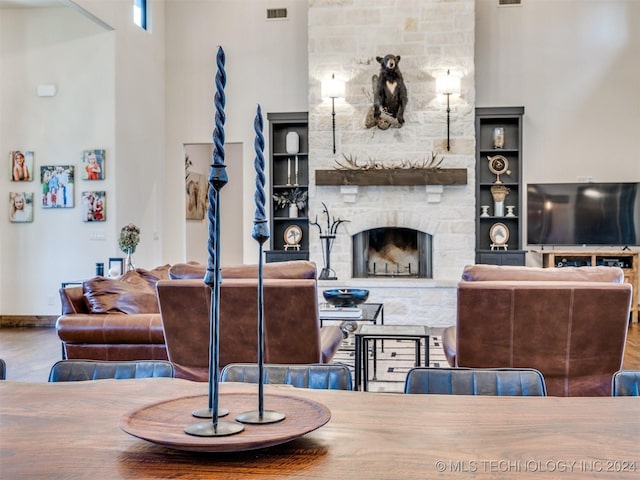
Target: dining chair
[526, 382]
[3, 369]
[328, 376]
[78, 370]
[626, 383]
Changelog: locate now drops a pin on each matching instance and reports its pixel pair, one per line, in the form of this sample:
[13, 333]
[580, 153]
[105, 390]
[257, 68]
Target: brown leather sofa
[109, 319]
[113, 319]
[568, 323]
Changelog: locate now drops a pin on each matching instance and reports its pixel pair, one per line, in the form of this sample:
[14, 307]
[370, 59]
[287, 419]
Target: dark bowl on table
[346, 297]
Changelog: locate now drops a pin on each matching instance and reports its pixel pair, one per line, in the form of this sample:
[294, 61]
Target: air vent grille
[505, 3]
[276, 13]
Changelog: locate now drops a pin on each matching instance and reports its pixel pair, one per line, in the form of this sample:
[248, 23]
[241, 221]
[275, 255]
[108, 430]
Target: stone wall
[431, 37]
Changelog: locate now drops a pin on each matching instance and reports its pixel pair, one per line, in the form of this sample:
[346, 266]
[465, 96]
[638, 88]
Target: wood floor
[30, 352]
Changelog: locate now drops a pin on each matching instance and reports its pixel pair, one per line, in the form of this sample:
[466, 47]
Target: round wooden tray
[163, 423]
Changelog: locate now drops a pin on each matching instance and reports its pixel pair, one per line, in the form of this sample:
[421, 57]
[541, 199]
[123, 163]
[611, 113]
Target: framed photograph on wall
[116, 266]
[57, 182]
[20, 207]
[21, 166]
[93, 165]
[94, 206]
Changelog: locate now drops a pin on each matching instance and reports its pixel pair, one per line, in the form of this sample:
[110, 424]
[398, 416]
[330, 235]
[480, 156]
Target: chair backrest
[3, 369]
[525, 382]
[626, 383]
[573, 331]
[78, 370]
[328, 376]
[291, 323]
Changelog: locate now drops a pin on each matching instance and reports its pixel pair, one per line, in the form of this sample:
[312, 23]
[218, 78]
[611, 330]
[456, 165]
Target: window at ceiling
[140, 13]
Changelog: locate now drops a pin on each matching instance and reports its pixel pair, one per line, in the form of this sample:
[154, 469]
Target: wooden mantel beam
[392, 177]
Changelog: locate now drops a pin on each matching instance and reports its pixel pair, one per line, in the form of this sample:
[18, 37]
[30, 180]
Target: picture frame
[57, 183]
[20, 207]
[116, 266]
[93, 164]
[499, 235]
[94, 206]
[21, 162]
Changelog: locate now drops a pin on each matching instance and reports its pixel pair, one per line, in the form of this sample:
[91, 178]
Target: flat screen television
[583, 214]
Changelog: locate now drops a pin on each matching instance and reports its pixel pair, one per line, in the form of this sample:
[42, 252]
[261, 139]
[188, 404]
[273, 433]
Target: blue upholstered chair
[626, 383]
[328, 376]
[475, 381]
[78, 370]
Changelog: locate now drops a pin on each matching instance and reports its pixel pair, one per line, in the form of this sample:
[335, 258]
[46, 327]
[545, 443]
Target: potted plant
[128, 241]
[295, 199]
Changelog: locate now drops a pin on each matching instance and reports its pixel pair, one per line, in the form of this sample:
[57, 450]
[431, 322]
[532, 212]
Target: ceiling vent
[509, 3]
[276, 13]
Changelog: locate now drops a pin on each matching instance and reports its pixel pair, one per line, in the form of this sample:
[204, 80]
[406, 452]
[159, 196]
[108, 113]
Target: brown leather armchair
[292, 332]
[568, 323]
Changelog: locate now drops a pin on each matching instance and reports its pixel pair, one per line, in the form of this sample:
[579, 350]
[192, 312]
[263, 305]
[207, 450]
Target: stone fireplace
[428, 226]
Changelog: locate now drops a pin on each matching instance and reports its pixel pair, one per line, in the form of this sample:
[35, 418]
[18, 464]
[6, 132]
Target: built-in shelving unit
[289, 171]
[499, 137]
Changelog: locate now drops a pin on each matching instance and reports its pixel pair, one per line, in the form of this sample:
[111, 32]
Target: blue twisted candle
[218, 176]
[260, 228]
[219, 102]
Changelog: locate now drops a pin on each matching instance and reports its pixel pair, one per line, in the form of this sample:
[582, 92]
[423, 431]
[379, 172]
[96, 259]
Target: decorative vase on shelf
[499, 193]
[129, 263]
[485, 210]
[293, 210]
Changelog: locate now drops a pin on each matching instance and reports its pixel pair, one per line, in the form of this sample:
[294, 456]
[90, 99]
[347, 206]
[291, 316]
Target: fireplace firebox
[392, 252]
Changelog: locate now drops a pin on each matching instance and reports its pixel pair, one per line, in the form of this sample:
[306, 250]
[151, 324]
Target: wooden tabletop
[70, 431]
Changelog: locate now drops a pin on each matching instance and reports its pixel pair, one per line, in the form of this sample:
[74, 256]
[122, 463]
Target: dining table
[83, 430]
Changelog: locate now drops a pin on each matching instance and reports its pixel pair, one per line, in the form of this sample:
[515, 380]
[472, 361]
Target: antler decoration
[351, 163]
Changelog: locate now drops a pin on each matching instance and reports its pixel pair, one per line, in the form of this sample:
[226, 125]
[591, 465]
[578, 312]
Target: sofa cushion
[291, 269]
[483, 273]
[133, 292]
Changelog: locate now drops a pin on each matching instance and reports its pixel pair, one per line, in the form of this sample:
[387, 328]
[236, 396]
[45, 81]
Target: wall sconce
[448, 85]
[333, 89]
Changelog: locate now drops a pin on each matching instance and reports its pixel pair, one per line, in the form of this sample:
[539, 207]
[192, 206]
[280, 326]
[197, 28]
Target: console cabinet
[628, 261]
[289, 174]
[499, 167]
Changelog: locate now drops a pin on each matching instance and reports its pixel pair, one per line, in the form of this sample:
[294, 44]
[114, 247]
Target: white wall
[575, 67]
[266, 64]
[53, 46]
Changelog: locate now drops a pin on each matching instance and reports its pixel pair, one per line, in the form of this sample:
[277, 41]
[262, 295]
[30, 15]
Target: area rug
[393, 363]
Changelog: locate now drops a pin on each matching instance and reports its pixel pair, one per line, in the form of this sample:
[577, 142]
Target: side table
[367, 332]
[371, 312]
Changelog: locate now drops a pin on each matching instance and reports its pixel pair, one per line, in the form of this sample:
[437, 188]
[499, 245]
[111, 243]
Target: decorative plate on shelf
[292, 235]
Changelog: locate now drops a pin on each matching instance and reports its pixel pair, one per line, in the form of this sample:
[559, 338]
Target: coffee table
[367, 332]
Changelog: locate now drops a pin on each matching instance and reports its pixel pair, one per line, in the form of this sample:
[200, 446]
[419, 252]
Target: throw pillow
[134, 292]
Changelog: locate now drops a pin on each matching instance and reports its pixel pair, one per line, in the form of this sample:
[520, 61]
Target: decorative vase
[499, 193]
[293, 210]
[510, 212]
[485, 210]
[129, 263]
[498, 137]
